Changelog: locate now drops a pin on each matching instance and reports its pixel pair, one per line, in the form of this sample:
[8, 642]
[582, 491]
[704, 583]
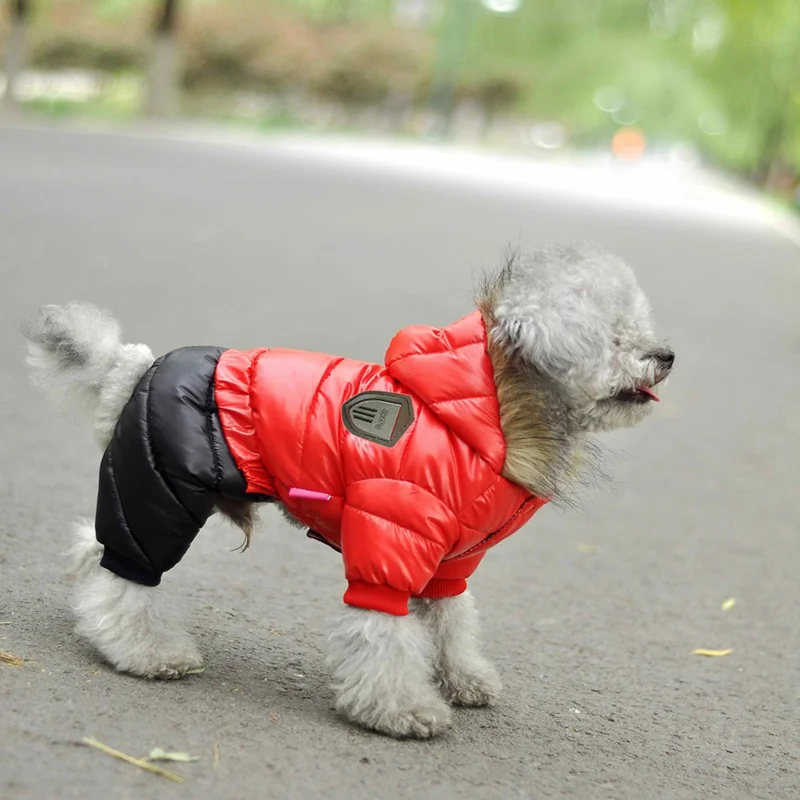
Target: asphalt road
[592, 615]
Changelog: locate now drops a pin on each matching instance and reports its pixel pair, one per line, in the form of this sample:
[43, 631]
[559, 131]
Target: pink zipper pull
[307, 494]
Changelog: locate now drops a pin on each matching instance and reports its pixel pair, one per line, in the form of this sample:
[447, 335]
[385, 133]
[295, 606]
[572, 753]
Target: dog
[412, 469]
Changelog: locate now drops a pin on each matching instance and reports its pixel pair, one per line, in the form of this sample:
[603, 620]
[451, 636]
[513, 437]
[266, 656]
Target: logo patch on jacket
[380, 417]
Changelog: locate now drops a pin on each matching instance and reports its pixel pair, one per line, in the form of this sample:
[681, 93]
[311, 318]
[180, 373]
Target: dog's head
[576, 315]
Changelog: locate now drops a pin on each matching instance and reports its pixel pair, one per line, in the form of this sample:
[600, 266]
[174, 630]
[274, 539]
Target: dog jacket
[396, 466]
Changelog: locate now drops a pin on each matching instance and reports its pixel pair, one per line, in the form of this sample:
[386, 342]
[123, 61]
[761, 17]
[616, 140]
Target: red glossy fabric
[411, 520]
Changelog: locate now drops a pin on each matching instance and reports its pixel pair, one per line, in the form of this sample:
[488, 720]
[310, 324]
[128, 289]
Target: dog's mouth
[641, 394]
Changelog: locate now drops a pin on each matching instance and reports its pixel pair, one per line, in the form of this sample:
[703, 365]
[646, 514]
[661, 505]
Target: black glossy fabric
[164, 468]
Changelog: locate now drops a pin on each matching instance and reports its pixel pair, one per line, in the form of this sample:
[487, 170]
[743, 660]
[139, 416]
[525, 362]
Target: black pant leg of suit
[164, 467]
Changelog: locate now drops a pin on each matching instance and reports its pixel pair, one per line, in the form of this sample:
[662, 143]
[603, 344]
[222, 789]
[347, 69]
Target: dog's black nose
[666, 357]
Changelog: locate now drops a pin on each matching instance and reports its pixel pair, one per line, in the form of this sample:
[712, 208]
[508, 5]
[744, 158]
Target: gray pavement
[591, 615]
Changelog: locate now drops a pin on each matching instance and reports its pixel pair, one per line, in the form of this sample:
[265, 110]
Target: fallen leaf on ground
[11, 660]
[711, 653]
[137, 762]
[5, 623]
[586, 548]
[157, 754]
[195, 671]
[729, 604]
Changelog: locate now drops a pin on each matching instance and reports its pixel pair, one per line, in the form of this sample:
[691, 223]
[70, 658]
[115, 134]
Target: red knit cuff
[377, 597]
[443, 587]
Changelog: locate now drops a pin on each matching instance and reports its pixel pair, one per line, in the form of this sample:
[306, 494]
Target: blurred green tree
[721, 74]
[756, 75]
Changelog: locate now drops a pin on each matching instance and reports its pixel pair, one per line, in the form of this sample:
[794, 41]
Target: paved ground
[592, 616]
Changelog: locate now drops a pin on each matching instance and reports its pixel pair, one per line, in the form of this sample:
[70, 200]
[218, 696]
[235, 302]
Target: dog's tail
[78, 360]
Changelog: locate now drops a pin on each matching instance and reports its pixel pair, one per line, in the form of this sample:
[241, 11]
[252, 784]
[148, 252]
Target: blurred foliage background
[720, 78]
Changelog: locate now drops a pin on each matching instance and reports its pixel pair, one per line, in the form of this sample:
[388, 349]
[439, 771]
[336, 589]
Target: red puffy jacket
[397, 466]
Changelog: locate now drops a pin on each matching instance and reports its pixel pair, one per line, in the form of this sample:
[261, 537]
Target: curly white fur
[134, 627]
[77, 360]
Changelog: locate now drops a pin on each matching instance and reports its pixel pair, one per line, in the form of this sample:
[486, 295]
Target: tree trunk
[163, 93]
[16, 52]
[772, 144]
[489, 116]
[452, 49]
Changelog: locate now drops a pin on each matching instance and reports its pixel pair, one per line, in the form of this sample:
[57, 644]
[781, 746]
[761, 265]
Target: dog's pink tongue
[650, 393]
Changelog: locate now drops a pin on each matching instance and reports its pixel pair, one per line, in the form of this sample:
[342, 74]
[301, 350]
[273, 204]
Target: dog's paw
[418, 723]
[158, 661]
[424, 721]
[470, 690]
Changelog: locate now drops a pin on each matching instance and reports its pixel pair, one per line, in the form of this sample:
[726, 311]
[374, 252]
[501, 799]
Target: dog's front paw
[470, 689]
[417, 723]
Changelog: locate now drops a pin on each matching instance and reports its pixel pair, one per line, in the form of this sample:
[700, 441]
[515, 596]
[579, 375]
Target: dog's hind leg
[465, 676]
[134, 627]
[382, 671]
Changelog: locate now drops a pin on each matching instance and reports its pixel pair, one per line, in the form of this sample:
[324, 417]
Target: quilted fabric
[413, 519]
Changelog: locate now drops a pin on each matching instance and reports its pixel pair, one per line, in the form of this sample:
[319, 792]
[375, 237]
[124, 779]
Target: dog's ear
[555, 337]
